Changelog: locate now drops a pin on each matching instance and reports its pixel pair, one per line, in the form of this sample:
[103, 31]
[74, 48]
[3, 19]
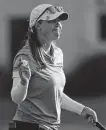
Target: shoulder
[24, 54]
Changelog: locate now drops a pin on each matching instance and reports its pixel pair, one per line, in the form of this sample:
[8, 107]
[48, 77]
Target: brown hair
[35, 46]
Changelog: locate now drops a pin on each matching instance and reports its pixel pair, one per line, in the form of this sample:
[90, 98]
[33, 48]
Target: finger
[24, 62]
[21, 59]
[24, 73]
[20, 62]
[95, 116]
[91, 120]
[24, 68]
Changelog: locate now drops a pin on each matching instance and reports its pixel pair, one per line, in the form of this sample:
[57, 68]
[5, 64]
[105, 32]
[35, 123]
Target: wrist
[24, 83]
[84, 112]
[81, 106]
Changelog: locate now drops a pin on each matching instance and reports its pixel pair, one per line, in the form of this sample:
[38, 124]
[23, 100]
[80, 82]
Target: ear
[38, 24]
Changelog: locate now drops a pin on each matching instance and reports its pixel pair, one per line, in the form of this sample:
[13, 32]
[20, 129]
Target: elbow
[16, 98]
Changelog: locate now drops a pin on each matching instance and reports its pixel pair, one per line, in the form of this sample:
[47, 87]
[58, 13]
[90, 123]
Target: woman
[38, 77]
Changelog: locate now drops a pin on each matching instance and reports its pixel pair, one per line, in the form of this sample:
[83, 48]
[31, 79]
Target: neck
[45, 42]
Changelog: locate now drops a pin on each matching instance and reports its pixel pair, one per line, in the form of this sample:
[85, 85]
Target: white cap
[38, 10]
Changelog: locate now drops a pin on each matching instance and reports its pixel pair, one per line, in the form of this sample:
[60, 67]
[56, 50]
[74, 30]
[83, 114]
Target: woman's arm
[71, 105]
[19, 91]
[21, 79]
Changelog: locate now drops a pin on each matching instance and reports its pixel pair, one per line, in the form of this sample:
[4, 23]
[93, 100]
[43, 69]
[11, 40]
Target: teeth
[57, 30]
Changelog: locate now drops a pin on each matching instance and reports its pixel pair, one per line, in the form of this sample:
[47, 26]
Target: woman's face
[51, 29]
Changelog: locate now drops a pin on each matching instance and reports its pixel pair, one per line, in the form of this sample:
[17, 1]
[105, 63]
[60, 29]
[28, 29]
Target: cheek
[47, 28]
[50, 27]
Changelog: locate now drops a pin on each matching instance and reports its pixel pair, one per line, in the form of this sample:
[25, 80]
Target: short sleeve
[16, 63]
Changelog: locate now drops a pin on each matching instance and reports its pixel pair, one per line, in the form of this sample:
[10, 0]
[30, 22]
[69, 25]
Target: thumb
[95, 116]
[24, 62]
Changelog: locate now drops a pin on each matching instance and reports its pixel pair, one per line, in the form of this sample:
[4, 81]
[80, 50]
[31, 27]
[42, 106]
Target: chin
[57, 37]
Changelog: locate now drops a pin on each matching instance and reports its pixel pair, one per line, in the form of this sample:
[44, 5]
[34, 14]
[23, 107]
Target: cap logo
[47, 17]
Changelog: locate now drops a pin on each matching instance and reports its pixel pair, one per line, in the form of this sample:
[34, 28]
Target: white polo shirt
[44, 98]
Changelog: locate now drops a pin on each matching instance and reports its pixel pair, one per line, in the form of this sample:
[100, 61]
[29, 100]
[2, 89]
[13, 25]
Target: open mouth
[57, 30]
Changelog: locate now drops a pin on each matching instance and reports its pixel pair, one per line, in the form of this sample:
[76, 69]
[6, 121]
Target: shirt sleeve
[16, 63]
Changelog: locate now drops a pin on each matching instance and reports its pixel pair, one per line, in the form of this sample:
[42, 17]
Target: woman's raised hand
[24, 71]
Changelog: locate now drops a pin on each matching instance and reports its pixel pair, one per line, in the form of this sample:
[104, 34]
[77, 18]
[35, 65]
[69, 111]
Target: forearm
[71, 105]
[18, 92]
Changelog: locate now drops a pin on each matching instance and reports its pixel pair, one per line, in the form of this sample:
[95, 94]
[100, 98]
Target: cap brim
[63, 16]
